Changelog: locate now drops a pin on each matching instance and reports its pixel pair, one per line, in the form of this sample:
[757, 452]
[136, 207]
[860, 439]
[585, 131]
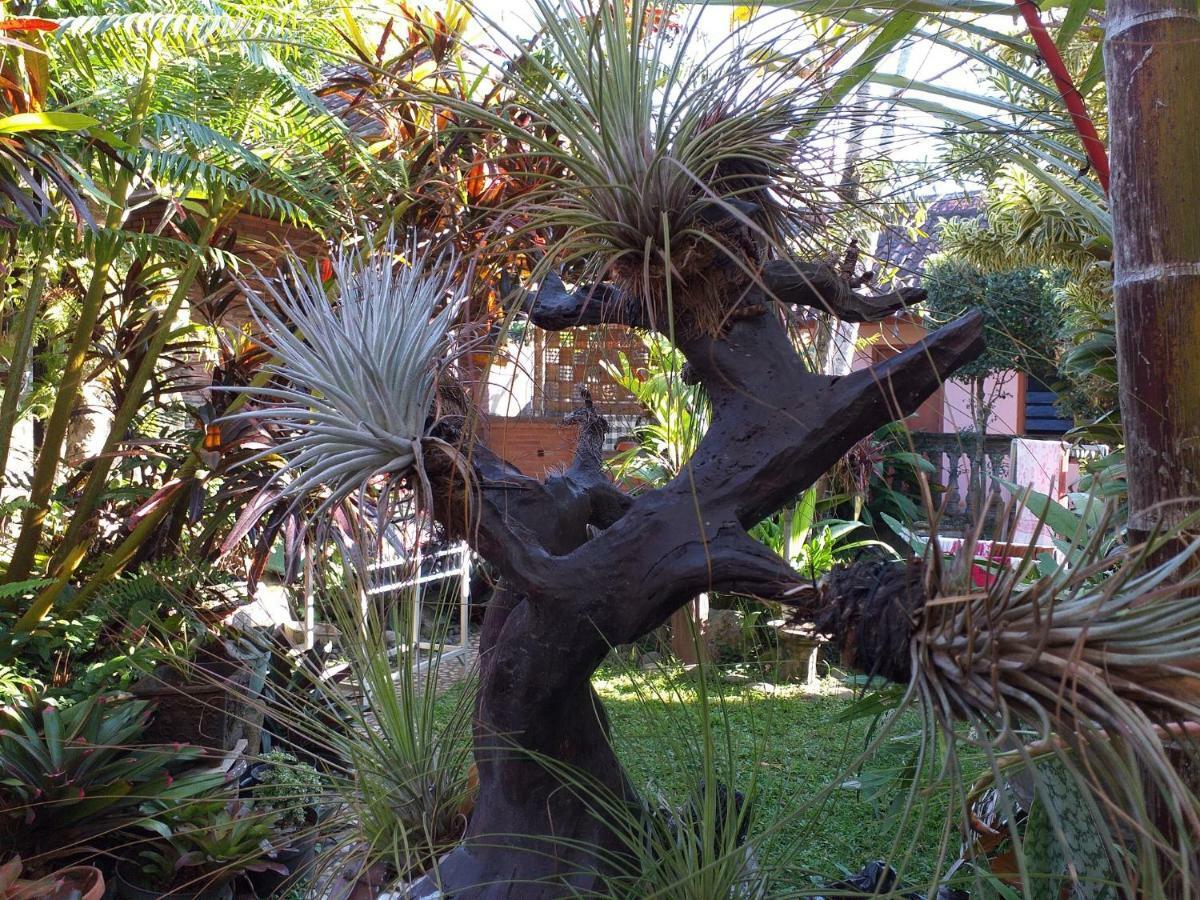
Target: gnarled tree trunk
[587, 567]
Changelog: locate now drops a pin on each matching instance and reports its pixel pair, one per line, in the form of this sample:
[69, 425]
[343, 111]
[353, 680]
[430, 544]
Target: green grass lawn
[792, 743]
[795, 748]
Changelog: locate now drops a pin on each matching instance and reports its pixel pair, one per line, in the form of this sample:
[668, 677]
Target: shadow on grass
[795, 745]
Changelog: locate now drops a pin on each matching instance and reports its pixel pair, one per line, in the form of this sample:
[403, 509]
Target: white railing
[400, 573]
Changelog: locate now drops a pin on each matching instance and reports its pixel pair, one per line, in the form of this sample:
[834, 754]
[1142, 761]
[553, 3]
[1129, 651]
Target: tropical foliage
[257, 260]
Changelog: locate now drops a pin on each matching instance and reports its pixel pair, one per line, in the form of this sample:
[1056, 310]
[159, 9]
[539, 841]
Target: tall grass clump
[397, 760]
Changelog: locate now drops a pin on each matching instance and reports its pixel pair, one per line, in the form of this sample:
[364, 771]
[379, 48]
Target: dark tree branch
[777, 427]
[588, 463]
[520, 523]
[507, 517]
[795, 283]
[554, 308]
[729, 560]
[822, 287]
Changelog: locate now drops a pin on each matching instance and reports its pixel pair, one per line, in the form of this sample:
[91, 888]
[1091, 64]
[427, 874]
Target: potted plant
[71, 883]
[282, 785]
[199, 848]
[211, 700]
[66, 774]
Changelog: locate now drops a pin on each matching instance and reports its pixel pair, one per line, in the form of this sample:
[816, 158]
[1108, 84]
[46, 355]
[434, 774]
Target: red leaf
[250, 516]
[31, 23]
[163, 496]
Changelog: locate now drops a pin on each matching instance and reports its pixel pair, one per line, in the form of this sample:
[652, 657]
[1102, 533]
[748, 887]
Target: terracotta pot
[84, 882]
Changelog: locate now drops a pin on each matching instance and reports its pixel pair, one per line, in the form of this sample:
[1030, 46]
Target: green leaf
[917, 543]
[898, 27]
[17, 588]
[110, 139]
[1095, 71]
[802, 520]
[838, 530]
[1077, 11]
[1058, 518]
[52, 725]
[916, 460]
[45, 121]
[873, 703]
[97, 802]
[162, 829]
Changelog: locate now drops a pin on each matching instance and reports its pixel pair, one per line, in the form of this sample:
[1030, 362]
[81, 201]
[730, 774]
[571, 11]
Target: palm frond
[172, 131]
[156, 245]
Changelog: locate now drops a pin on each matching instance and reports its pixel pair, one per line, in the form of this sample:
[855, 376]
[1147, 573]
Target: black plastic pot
[254, 776]
[128, 888]
[297, 859]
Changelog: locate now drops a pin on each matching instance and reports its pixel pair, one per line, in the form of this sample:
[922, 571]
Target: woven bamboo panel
[572, 359]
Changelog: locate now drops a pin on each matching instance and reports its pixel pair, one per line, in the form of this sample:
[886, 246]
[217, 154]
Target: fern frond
[21, 588]
[170, 131]
[96, 45]
[167, 169]
[156, 245]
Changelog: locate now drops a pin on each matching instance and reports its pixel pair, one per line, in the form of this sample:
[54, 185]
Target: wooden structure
[568, 360]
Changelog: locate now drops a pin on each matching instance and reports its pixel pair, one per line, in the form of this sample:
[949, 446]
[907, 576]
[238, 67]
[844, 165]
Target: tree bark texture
[1152, 63]
[587, 567]
[1152, 66]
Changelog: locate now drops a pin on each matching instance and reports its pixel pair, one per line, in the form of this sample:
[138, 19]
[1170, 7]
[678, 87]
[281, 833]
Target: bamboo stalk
[46, 469]
[22, 350]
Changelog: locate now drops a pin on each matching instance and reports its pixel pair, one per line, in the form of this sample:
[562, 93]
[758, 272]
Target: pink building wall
[956, 402]
[1005, 417]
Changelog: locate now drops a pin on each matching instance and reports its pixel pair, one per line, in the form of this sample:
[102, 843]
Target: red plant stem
[1092, 144]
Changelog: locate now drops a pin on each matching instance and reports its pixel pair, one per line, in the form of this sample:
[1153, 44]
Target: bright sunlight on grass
[821, 810]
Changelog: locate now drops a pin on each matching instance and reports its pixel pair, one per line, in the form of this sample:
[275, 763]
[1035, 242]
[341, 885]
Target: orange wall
[532, 445]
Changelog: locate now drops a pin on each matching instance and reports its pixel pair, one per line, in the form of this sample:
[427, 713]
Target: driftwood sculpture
[586, 567]
[677, 194]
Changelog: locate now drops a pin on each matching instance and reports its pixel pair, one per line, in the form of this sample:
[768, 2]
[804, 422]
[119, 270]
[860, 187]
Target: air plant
[358, 377]
[395, 752]
[1079, 677]
[673, 180]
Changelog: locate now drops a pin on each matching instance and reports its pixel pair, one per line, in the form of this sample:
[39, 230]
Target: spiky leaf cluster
[356, 376]
[665, 166]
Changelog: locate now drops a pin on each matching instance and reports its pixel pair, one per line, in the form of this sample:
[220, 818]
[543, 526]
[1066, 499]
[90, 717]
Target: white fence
[399, 576]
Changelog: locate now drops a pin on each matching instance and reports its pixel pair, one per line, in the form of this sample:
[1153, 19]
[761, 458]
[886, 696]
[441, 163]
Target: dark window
[1041, 410]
